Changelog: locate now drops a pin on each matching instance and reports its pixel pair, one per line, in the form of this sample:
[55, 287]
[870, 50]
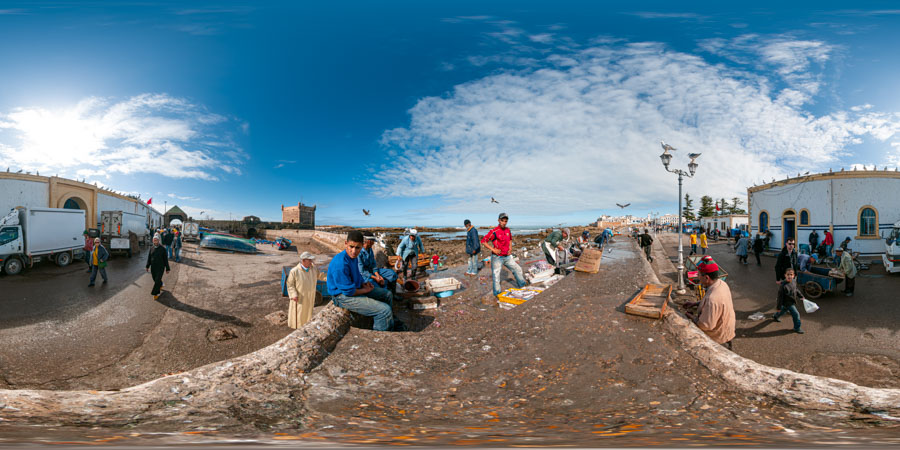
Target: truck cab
[11, 244]
[891, 256]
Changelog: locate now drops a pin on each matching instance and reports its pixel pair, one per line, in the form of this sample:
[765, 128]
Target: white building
[25, 190]
[726, 222]
[855, 204]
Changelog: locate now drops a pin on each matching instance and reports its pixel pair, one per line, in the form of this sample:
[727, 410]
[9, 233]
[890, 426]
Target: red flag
[150, 201]
[717, 206]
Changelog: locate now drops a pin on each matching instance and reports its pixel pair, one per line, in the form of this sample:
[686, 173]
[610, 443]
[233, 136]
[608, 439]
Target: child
[788, 297]
[435, 260]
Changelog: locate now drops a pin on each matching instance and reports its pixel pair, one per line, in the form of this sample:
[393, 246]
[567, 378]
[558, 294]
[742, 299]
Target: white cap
[413, 231]
[307, 255]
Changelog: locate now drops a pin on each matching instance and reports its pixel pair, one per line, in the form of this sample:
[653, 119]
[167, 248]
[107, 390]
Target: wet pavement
[566, 368]
[856, 339]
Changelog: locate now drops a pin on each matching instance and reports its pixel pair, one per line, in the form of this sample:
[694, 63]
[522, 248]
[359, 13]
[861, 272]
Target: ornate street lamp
[666, 158]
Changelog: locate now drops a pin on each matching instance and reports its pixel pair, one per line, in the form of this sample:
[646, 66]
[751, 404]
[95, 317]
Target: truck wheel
[13, 266]
[63, 259]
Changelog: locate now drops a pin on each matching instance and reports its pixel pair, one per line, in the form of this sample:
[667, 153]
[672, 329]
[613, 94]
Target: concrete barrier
[796, 389]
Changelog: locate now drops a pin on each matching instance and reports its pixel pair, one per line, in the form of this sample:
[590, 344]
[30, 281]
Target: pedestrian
[786, 259]
[845, 244]
[368, 266]
[99, 255]
[647, 244]
[788, 297]
[767, 239]
[813, 241]
[757, 248]
[499, 242]
[829, 243]
[742, 248]
[553, 244]
[88, 247]
[704, 244]
[301, 287]
[848, 269]
[715, 314]
[348, 291]
[473, 247]
[176, 245]
[409, 250]
[167, 238]
[693, 242]
[157, 261]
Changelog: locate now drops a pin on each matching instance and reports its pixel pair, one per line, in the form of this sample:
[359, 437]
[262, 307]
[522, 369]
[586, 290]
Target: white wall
[111, 203]
[850, 194]
[22, 193]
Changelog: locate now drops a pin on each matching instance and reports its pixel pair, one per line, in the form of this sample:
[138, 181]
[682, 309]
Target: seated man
[369, 269]
[715, 315]
[348, 291]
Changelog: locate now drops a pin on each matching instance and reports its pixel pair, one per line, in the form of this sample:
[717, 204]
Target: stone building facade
[300, 214]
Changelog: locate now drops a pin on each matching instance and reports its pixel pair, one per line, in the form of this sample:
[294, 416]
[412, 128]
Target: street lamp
[666, 158]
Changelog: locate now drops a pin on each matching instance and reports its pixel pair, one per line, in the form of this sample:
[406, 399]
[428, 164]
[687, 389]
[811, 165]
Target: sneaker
[91, 285]
[799, 331]
[156, 297]
[775, 318]
[849, 294]
[104, 281]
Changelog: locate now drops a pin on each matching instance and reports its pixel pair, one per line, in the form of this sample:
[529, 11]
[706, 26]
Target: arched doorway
[788, 225]
[74, 203]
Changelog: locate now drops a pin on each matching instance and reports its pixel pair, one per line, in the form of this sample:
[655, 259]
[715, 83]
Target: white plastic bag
[809, 306]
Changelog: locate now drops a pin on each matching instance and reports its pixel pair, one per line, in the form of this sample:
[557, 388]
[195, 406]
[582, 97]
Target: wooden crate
[651, 301]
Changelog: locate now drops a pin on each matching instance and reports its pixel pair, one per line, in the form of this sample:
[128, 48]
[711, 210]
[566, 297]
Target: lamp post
[666, 158]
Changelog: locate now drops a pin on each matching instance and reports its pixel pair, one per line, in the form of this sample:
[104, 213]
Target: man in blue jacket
[369, 269]
[409, 250]
[98, 258]
[348, 290]
[473, 247]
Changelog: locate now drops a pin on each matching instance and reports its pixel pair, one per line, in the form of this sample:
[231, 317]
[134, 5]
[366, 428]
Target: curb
[793, 388]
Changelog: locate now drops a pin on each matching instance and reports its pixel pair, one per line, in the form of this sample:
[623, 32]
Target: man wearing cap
[848, 268]
[715, 315]
[409, 250]
[646, 242]
[473, 247]
[348, 290]
[301, 287]
[499, 242]
[368, 266]
[157, 261]
[554, 243]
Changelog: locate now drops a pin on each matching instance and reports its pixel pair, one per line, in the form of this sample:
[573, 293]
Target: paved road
[851, 338]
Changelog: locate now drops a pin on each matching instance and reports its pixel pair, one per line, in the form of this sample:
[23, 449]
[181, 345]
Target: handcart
[818, 281]
[692, 274]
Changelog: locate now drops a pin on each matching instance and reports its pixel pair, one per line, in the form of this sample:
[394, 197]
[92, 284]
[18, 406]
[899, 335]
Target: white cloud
[147, 133]
[542, 38]
[583, 136]
[660, 15]
[180, 197]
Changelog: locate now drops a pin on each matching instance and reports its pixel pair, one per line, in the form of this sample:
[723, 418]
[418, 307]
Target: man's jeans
[794, 315]
[473, 264]
[169, 251]
[94, 270]
[177, 252]
[497, 263]
[376, 304]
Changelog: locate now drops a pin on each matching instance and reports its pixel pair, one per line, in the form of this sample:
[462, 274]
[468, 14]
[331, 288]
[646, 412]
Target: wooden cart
[817, 282]
[692, 273]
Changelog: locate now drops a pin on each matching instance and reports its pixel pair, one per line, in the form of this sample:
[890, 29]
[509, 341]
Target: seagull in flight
[366, 212]
[494, 201]
[627, 204]
[667, 148]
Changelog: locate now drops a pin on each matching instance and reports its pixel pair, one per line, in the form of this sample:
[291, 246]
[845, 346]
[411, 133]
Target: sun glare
[57, 137]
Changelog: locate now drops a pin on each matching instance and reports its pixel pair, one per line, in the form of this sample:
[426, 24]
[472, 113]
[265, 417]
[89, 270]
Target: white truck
[191, 231]
[891, 256]
[28, 235]
[115, 227]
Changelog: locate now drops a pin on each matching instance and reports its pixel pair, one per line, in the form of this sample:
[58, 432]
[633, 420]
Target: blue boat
[221, 242]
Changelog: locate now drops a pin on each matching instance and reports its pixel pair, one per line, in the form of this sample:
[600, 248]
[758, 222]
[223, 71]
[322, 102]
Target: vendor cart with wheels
[819, 281]
[692, 273]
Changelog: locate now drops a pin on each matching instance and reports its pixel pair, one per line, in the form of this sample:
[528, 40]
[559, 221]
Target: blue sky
[421, 111]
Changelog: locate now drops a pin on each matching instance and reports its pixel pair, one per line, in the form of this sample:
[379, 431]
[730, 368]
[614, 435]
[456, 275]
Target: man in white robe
[301, 287]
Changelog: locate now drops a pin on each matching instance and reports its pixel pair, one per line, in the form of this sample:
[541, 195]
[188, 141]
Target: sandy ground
[850, 338]
[57, 333]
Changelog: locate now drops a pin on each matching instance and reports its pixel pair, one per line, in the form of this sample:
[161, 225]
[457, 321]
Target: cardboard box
[589, 261]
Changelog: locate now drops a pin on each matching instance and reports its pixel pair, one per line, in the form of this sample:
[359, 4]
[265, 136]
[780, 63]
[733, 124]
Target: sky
[421, 112]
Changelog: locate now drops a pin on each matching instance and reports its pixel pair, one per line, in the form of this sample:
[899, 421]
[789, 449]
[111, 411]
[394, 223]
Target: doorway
[789, 226]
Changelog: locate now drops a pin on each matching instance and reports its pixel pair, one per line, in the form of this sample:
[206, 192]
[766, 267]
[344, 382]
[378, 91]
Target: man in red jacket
[499, 242]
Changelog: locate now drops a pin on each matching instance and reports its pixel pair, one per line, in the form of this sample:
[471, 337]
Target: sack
[809, 306]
